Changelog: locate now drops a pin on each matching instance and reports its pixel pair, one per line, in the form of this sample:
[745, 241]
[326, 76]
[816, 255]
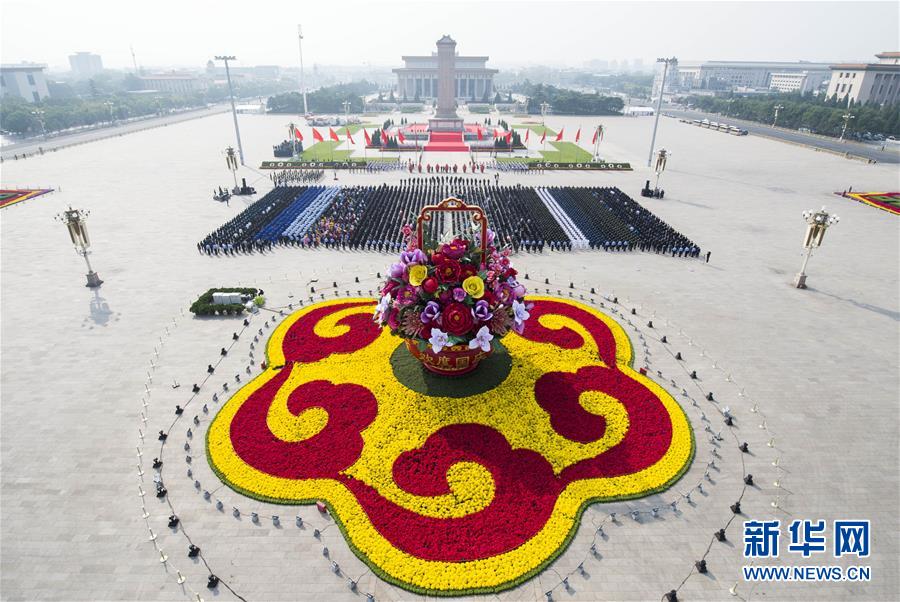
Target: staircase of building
[446, 142]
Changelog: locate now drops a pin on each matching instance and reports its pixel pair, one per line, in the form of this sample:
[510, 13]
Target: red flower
[457, 319]
[389, 288]
[448, 272]
[437, 258]
[430, 285]
[466, 270]
[393, 319]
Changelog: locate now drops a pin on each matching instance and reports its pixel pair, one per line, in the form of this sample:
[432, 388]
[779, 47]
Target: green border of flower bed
[513, 583]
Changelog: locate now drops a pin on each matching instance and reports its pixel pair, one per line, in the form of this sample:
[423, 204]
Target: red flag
[333, 135]
[509, 138]
[578, 134]
[544, 136]
[349, 137]
[527, 131]
[298, 135]
[384, 138]
[480, 134]
[317, 136]
[368, 138]
[594, 140]
[400, 137]
[559, 136]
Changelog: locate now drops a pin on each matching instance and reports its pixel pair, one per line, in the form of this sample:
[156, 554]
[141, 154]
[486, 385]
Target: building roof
[866, 67]
[465, 69]
[167, 76]
[888, 55]
[433, 57]
[23, 67]
[755, 64]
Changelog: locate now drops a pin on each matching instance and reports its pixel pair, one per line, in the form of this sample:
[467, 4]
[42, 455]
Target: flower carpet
[451, 486]
[887, 201]
[11, 197]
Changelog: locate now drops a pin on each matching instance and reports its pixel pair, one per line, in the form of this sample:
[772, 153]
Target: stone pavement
[821, 365]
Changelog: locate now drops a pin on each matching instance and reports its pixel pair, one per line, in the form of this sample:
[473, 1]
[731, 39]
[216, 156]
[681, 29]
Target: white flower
[439, 339]
[520, 312]
[482, 339]
[382, 307]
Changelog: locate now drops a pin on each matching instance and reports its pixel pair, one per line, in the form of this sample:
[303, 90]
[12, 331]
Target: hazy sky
[189, 32]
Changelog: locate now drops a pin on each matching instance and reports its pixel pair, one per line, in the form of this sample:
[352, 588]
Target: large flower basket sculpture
[453, 293]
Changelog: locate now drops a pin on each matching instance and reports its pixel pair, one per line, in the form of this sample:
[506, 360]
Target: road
[33, 145]
[856, 149]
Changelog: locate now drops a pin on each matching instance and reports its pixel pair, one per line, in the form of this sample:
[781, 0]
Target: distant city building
[877, 83]
[85, 64]
[269, 72]
[799, 82]
[175, 83]
[418, 78]
[25, 80]
[730, 75]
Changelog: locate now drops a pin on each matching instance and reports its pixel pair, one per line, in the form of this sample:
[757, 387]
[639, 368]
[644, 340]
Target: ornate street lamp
[846, 117]
[545, 108]
[818, 222]
[75, 221]
[777, 108]
[662, 156]
[39, 113]
[231, 162]
[109, 105]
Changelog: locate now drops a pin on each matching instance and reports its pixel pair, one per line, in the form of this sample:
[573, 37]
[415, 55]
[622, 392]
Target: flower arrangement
[450, 299]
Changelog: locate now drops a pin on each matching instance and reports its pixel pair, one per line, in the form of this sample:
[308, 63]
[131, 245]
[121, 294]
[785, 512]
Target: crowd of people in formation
[514, 165]
[296, 177]
[471, 166]
[524, 218]
[651, 233]
[336, 226]
[374, 166]
[239, 235]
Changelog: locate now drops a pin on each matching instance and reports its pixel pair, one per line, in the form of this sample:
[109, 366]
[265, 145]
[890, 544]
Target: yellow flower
[474, 285]
[417, 274]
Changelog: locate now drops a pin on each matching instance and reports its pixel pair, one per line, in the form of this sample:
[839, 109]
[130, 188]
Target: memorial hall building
[418, 78]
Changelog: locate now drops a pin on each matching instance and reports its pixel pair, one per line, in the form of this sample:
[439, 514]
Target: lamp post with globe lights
[545, 108]
[777, 108]
[817, 223]
[76, 223]
[846, 117]
[662, 156]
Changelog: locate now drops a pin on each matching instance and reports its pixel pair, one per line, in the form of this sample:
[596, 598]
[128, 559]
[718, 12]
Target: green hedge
[204, 305]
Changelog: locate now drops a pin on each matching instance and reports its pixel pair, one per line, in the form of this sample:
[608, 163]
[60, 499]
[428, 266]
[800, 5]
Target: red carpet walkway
[447, 142]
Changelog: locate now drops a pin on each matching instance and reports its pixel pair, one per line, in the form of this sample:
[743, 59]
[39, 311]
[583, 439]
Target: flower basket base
[454, 361]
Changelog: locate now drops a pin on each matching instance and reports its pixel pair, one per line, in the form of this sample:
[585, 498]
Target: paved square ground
[820, 363]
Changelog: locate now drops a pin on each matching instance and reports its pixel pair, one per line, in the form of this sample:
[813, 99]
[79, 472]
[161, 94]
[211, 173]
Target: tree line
[329, 99]
[17, 115]
[84, 103]
[821, 115]
[567, 102]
